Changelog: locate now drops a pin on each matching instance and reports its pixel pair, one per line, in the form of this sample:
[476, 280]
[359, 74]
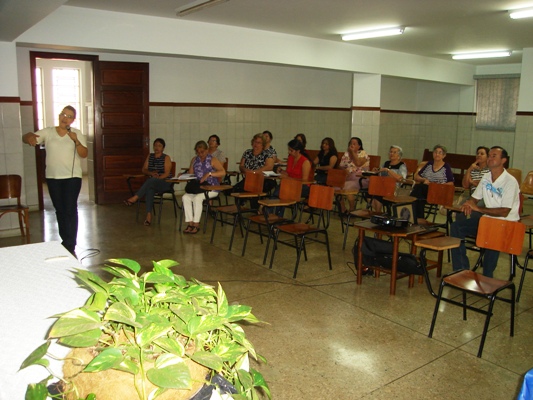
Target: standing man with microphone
[65, 147]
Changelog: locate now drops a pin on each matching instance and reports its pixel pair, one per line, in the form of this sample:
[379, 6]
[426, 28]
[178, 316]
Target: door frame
[93, 59]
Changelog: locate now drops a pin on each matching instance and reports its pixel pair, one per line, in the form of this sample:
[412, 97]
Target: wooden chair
[374, 162]
[517, 173]
[494, 234]
[412, 165]
[11, 188]
[289, 196]
[320, 198]
[526, 188]
[383, 186]
[253, 188]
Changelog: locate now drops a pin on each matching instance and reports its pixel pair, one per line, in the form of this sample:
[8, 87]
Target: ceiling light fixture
[196, 6]
[523, 13]
[373, 33]
[483, 54]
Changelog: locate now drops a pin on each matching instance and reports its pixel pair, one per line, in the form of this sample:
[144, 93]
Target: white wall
[8, 72]
[118, 32]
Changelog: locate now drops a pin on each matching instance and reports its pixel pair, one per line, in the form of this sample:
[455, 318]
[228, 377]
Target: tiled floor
[326, 337]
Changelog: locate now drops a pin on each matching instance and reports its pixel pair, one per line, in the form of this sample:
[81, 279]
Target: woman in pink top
[355, 160]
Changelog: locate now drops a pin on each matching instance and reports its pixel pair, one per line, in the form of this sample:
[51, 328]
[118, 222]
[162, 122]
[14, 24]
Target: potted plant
[162, 335]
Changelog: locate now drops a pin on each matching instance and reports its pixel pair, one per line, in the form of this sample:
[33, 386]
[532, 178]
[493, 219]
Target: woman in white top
[65, 147]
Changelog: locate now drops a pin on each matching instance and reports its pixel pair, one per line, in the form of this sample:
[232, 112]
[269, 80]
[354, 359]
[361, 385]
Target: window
[497, 103]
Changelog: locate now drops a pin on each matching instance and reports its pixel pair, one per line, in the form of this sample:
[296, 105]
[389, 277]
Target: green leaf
[161, 269]
[170, 297]
[176, 376]
[152, 332]
[107, 359]
[156, 277]
[84, 339]
[229, 352]
[238, 312]
[35, 355]
[259, 381]
[128, 366]
[200, 291]
[208, 360]
[185, 312]
[204, 323]
[92, 281]
[171, 345]
[126, 262]
[97, 302]
[120, 312]
[166, 263]
[245, 378]
[119, 272]
[36, 391]
[74, 322]
[222, 302]
[125, 294]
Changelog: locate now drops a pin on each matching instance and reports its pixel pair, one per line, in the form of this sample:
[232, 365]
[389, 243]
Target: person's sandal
[147, 223]
[194, 230]
[188, 229]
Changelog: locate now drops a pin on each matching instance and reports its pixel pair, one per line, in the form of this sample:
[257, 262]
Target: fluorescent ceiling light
[373, 33]
[196, 6]
[485, 54]
[523, 13]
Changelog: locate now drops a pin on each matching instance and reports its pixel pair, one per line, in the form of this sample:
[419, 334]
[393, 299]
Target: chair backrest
[336, 177]
[253, 182]
[321, 196]
[375, 162]
[10, 187]
[381, 186]
[411, 164]
[527, 186]
[441, 194]
[501, 235]
[517, 173]
[173, 169]
[290, 189]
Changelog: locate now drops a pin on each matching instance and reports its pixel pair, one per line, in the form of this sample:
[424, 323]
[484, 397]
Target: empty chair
[493, 234]
[412, 165]
[289, 196]
[11, 188]
[320, 199]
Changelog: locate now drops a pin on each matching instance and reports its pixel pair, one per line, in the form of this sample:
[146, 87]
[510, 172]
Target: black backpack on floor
[378, 253]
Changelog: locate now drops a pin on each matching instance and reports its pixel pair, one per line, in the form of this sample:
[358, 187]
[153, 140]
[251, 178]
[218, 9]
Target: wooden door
[121, 142]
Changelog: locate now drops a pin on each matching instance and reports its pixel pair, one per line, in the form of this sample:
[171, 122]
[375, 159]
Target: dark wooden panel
[121, 98]
[110, 141]
[117, 184]
[123, 163]
[112, 119]
[121, 77]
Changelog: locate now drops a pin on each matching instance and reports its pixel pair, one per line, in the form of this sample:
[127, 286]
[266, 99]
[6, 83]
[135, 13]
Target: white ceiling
[434, 28]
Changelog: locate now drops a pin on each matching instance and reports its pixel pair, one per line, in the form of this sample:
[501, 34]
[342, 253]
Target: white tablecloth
[36, 283]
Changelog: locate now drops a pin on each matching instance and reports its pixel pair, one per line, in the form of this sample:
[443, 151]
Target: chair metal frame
[11, 188]
[253, 188]
[289, 196]
[320, 199]
[494, 234]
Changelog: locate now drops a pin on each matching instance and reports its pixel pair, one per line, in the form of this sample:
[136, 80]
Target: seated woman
[355, 160]
[476, 170]
[436, 171]
[214, 142]
[301, 137]
[256, 159]
[395, 168]
[298, 167]
[325, 160]
[157, 166]
[207, 170]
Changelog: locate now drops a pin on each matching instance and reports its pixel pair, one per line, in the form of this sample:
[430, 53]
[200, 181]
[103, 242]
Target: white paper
[270, 173]
[187, 177]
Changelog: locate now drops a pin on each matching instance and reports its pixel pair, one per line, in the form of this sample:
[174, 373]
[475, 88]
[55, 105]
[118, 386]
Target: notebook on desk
[187, 177]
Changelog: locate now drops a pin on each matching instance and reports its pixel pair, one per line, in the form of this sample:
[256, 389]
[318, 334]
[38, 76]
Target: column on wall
[524, 122]
[366, 103]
